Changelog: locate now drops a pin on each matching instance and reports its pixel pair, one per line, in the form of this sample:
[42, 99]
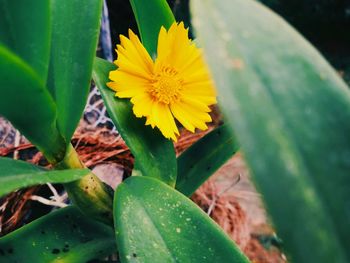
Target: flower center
[166, 85]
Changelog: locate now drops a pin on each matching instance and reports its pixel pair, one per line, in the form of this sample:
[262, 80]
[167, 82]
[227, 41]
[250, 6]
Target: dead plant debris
[100, 146]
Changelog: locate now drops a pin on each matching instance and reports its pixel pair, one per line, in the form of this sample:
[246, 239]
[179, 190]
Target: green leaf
[62, 236]
[155, 223]
[290, 112]
[150, 17]
[154, 154]
[75, 30]
[28, 105]
[25, 30]
[203, 158]
[18, 174]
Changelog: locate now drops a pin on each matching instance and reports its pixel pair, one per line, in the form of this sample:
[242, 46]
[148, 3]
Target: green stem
[92, 196]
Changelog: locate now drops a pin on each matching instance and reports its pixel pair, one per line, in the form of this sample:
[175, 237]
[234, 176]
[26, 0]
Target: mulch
[100, 146]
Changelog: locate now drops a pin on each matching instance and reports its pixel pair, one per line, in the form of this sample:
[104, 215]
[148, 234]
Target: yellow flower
[176, 85]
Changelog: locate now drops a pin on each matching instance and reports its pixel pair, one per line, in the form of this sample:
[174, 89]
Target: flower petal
[142, 52]
[176, 85]
[196, 104]
[164, 120]
[190, 117]
[143, 105]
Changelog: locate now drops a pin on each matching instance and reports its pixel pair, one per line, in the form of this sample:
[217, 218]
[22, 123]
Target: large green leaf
[62, 236]
[28, 105]
[17, 174]
[204, 158]
[290, 112]
[150, 16]
[154, 154]
[75, 30]
[155, 223]
[25, 29]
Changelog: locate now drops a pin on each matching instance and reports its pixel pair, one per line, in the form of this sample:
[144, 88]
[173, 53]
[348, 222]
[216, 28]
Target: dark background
[325, 23]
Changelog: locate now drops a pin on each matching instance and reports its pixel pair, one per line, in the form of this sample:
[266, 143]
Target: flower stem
[90, 194]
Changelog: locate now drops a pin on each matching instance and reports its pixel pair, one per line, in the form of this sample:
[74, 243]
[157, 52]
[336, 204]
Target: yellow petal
[194, 57]
[189, 117]
[146, 58]
[142, 105]
[182, 117]
[131, 52]
[203, 92]
[177, 84]
[196, 114]
[163, 47]
[196, 104]
[123, 77]
[164, 120]
[174, 47]
[126, 65]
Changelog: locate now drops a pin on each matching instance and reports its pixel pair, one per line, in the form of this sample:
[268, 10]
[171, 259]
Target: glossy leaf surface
[150, 17]
[25, 30]
[62, 236]
[75, 30]
[16, 174]
[26, 103]
[203, 158]
[155, 223]
[290, 112]
[154, 154]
